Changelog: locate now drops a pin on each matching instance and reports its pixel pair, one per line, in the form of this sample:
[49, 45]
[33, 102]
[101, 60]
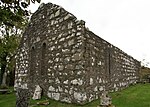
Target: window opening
[43, 59]
[32, 63]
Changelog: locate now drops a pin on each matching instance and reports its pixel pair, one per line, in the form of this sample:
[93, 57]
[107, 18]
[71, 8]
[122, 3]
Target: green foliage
[144, 72]
[12, 12]
[13, 19]
[11, 16]
[8, 48]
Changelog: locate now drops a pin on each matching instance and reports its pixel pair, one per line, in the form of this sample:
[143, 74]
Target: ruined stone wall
[108, 67]
[69, 62]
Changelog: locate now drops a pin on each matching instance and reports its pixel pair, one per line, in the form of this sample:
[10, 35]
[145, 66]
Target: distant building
[69, 62]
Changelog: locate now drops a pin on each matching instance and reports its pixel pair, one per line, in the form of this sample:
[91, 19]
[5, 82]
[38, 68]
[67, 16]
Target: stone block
[37, 93]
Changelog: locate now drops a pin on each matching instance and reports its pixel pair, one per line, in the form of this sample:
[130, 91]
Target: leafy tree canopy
[13, 19]
[12, 12]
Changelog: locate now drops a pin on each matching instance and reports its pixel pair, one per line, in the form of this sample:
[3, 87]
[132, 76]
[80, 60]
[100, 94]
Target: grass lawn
[7, 100]
[134, 96]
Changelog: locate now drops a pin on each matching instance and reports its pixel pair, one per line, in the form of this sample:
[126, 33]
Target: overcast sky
[123, 23]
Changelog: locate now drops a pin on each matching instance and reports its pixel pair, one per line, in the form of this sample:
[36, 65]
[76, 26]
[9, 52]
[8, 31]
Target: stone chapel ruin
[69, 62]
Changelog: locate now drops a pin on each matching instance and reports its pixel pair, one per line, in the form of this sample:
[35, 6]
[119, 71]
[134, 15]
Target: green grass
[7, 100]
[134, 96]
[60, 104]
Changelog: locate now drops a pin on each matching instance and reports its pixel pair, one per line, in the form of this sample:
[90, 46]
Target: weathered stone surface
[57, 13]
[37, 93]
[77, 56]
[71, 42]
[80, 96]
[105, 99]
[69, 66]
[51, 88]
[91, 81]
[68, 16]
[23, 97]
[60, 67]
[77, 82]
[69, 62]
[56, 96]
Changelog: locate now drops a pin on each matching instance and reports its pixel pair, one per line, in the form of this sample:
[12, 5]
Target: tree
[12, 12]
[144, 63]
[8, 48]
[13, 19]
